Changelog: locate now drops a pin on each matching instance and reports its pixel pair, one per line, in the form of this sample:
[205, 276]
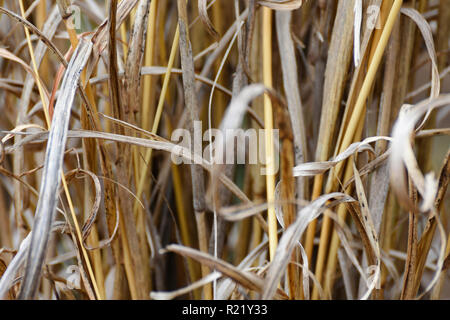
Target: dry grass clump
[348, 198]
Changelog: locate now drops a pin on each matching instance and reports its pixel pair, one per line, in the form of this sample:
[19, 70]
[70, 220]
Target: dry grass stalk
[93, 94]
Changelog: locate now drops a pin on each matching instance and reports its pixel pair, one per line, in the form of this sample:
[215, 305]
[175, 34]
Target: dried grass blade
[425, 241]
[403, 154]
[41, 35]
[368, 235]
[135, 58]
[291, 88]
[8, 277]
[281, 4]
[246, 279]
[290, 237]
[51, 175]
[315, 168]
[203, 14]
[198, 284]
[100, 38]
[191, 102]
[427, 34]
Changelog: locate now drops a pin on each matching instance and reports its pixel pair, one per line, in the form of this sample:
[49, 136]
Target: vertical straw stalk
[268, 125]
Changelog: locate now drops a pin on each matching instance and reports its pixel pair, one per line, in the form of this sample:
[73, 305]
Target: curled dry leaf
[92, 216]
[203, 14]
[234, 116]
[315, 168]
[403, 155]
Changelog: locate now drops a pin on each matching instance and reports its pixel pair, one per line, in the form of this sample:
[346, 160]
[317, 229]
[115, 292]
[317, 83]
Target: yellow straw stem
[369, 79]
[158, 114]
[342, 211]
[123, 35]
[149, 53]
[268, 125]
[80, 238]
[351, 131]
